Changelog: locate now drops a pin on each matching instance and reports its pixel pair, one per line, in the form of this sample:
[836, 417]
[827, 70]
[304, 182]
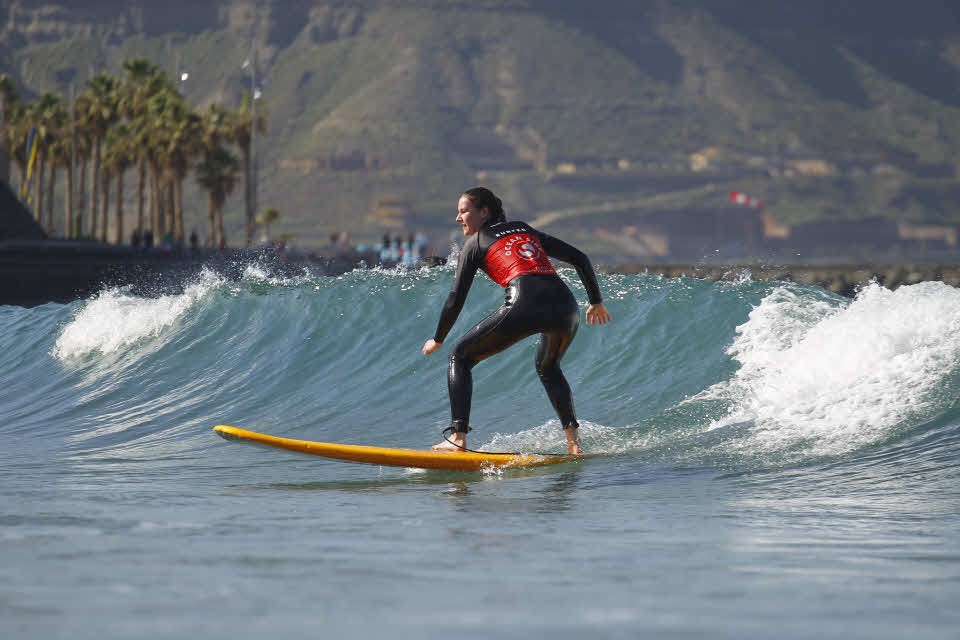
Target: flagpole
[253, 146]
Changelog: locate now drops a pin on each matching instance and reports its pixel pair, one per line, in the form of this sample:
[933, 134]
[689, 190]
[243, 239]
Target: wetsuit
[514, 255]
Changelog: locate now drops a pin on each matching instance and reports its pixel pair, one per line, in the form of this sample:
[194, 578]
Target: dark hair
[482, 197]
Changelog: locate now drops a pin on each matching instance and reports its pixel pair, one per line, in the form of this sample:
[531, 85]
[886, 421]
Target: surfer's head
[488, 208]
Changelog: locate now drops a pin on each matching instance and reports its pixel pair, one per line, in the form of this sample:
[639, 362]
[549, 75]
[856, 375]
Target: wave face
[772, 447]
[740, 374]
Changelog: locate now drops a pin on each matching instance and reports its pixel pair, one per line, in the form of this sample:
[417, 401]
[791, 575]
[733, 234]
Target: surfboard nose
[226, 432]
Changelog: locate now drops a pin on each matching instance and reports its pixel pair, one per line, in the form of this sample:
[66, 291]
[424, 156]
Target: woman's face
[469, 217]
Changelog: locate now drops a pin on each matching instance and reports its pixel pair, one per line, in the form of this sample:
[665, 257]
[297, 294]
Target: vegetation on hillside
[819, 110]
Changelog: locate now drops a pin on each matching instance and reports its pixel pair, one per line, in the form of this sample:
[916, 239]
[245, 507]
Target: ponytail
[482, 197]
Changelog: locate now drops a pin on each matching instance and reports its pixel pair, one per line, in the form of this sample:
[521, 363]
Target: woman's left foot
[456, 442]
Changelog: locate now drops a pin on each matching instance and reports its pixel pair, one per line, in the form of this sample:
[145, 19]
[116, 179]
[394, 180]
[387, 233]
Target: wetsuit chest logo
[529, 251]
[524, 246]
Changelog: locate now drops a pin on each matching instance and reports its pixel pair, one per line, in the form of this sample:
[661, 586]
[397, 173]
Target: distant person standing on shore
[537, 301]
[420, 245]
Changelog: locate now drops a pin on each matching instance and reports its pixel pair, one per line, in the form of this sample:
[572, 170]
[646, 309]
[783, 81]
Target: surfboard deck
[416, 458]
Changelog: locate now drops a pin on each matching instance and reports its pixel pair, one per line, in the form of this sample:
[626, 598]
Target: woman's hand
[596, 314]
[430, 346]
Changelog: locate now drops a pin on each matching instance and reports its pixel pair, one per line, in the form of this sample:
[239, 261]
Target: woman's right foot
[573, 441]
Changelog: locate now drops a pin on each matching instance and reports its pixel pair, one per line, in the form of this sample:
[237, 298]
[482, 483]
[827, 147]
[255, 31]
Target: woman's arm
[568, 253]
[467, 267]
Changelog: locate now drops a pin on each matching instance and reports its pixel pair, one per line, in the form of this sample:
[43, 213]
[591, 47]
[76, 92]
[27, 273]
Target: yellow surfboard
[421, 459]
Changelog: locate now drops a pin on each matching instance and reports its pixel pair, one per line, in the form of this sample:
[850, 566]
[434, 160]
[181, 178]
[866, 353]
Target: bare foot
[456, 442]
[573, 441]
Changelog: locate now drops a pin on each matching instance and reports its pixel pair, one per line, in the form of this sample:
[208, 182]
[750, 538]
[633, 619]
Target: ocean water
[781, 463]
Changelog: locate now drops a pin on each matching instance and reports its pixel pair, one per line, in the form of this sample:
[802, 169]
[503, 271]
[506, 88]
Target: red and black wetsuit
[514, 255]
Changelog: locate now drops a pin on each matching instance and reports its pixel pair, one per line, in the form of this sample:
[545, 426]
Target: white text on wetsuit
[509, 230]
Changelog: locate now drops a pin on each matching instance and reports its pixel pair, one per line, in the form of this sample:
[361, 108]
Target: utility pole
[252, 186]
[254, 173]
[180, 76]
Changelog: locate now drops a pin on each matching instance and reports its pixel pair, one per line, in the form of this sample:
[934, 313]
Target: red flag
[743, 199]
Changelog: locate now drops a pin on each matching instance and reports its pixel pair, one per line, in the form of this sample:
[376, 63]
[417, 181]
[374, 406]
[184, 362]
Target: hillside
[821, 109]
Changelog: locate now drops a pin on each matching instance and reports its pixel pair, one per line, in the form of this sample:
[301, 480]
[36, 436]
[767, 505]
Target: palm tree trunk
[68, 208]
[211, 221]
[221, 238]
[176, 185]
[80, 198]
[155, 217]
[95, 186]
[141, 183]
[119, 205]
[38, 190]
[105, 184]
[248, 193]
[51, 184]
[168, 209]
[22, 172]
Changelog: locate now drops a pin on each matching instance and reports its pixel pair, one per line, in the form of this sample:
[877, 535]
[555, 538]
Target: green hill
[821, 109]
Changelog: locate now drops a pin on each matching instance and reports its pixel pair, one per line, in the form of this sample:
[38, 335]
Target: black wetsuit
[537, 301]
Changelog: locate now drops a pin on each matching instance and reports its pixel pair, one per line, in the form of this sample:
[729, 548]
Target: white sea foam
[833, 379]
[549, 438]
[115, 319]
[258, 273]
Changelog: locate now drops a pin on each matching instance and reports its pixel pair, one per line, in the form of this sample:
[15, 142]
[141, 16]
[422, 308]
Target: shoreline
[843, 279]
[37, 272]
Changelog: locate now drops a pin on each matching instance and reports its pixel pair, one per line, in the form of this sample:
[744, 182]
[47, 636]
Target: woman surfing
[537, 301]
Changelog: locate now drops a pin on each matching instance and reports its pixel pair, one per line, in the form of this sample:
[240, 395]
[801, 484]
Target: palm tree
[158, 125]
[217, 173]
[102, 218]
[60, 154]
[8, 106]
[57, 152]
[217, 123]
[84, 151]
[217, 126]
[141, 82]
[187, 145]
[74, 162]
[118, 156]
[16, 132]
[242, 127]
[47, 116]
[178, 138]
[97, 109]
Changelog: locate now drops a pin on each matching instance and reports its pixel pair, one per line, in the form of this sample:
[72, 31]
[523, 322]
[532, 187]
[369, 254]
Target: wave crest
[836, 378]
[115, 320]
